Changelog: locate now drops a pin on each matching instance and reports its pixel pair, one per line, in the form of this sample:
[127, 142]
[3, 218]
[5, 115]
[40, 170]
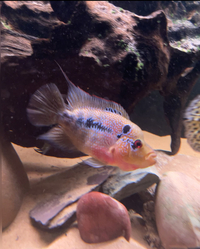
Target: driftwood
[106, 50]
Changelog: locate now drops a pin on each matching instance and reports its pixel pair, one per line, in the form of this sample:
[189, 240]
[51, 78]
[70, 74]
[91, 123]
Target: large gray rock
[56, 205]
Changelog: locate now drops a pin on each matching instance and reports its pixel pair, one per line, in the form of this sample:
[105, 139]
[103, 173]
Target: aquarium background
[144, 55]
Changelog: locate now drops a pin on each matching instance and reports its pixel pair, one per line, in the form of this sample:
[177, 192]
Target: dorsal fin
[77, 98]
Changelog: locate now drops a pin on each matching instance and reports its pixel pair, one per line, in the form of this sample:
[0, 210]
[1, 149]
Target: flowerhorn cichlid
[192, 123]
[95, 126]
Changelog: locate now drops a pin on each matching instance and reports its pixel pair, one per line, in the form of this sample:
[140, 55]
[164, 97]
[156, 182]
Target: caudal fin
[45, 105]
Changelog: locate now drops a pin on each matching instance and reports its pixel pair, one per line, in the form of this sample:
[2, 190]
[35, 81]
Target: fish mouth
[151, 155]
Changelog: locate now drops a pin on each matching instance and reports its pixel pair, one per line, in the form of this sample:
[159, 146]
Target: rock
[186, 164]
[115, 46]
[195, 19]
[124, 184]
[177, 210]
[65, 218]
[173, 10]
[102, 218]
[151, 233]
[56, 205]
[138, 7]
[35, 25]
[14, 181]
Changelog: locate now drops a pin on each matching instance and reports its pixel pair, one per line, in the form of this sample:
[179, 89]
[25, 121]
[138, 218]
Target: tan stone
[177, 210]
[14, 182]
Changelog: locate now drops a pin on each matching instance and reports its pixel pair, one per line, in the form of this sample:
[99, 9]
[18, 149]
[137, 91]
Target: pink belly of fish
[125, 166]
[102, 155]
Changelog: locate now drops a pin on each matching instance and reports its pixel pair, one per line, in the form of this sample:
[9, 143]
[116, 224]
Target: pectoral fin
[94, 163]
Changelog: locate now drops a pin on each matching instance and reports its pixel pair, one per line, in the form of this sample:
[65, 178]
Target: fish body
[97, 127]
[192, 123]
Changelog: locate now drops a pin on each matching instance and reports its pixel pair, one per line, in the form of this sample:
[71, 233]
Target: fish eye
[137, 144]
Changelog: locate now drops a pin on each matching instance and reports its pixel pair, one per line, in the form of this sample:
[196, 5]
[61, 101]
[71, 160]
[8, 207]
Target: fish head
[133, 153]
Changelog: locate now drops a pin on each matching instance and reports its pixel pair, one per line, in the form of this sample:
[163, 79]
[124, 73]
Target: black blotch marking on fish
[109, 109]
[90, 123]
[119, 135]
[80, 122]
[126, 129]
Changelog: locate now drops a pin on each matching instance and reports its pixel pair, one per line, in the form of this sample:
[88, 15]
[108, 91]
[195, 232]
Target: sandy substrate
[21, 234]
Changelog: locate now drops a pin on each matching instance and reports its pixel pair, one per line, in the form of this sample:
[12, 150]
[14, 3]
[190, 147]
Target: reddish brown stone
[102, 218]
